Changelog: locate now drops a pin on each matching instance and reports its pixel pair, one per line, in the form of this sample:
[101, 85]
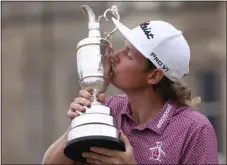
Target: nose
[115, 56]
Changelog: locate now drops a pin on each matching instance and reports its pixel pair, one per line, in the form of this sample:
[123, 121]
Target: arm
[202, 148]
[55, 153]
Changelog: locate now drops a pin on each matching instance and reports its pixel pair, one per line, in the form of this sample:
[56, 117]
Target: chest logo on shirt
[156, 152]
[164, 116]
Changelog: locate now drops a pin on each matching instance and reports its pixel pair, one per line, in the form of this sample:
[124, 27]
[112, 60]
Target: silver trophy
[95, 127]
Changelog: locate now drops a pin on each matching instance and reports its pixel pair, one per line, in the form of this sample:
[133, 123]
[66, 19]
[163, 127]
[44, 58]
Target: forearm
[55, 153]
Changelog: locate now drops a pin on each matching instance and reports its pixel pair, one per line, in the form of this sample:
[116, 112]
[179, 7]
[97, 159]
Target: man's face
[129, 68]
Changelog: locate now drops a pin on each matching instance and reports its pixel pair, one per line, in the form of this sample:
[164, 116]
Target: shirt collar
[159, 122]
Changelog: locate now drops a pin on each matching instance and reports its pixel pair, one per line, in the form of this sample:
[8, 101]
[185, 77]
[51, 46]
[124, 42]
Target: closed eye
[127, 56]
[126, 52]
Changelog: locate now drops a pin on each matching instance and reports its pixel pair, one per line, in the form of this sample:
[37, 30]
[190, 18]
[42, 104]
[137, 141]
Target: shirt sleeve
[108, 102]
[202, 148]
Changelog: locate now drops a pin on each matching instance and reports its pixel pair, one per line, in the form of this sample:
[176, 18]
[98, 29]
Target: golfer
[156, 114]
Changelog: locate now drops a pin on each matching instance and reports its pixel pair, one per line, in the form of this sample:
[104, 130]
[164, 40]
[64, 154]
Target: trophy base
[76, 147]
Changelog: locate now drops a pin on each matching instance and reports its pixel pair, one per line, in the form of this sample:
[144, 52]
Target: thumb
[101, 97]
[124, 138]
[107, 63]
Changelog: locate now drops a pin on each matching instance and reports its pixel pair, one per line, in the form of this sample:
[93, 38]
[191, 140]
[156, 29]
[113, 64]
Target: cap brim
[122, 28]
[129, 36]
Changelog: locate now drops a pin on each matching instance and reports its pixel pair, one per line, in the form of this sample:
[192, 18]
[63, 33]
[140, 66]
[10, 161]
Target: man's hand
[83, 100]
[108, 156]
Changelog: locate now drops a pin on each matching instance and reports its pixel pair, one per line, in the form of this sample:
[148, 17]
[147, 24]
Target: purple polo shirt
[176, 135]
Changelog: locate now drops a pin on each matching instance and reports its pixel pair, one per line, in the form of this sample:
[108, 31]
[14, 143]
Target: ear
[155, 76]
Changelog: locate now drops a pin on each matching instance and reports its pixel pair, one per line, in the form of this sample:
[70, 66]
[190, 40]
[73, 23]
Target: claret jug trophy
[96, 126]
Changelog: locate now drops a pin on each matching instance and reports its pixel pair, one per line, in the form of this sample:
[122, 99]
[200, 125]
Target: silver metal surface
[93, 130]
[97, 120]
[90, 63]
[89, 118]
[90, 51]
[98, 108]
[95, 24]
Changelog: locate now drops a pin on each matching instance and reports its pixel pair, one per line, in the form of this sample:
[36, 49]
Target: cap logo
[146, 30]
[159, 62]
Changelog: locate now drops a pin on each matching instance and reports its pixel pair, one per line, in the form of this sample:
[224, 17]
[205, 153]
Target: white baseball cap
[162, 44]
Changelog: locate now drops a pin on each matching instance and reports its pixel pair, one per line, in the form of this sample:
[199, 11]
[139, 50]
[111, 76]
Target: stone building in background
[39, 77]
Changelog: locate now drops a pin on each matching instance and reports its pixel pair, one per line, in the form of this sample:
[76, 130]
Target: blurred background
[39, 73]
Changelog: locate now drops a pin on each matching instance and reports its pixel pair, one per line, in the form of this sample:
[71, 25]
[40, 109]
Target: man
[158, 123]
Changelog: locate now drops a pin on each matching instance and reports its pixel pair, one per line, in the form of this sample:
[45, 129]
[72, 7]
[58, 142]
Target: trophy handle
[113, 10]
[87, 11]
[92, 22]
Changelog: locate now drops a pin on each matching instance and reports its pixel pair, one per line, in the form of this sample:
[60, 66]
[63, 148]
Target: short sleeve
[202, 148]
[109, 102]
[116, 103]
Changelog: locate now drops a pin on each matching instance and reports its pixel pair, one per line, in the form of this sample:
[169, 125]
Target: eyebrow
[129, 46]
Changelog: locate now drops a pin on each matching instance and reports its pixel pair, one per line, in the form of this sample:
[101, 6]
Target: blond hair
[175, 91]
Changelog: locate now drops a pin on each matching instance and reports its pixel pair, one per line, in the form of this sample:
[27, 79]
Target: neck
[144, 104]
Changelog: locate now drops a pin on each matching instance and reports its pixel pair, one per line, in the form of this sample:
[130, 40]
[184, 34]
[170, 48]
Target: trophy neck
[94, 33]
[94, 29]
[93, 24]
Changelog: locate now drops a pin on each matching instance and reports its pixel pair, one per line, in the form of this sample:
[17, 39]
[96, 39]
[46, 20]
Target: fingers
[77, 107]
[72, 114]
[107, 63]
[125, 139]
[94, 161]
[74, 110]
[86, 94]
[98, 157]
[82, 101]
[107, 66]
[105, 151]
[101, 97]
